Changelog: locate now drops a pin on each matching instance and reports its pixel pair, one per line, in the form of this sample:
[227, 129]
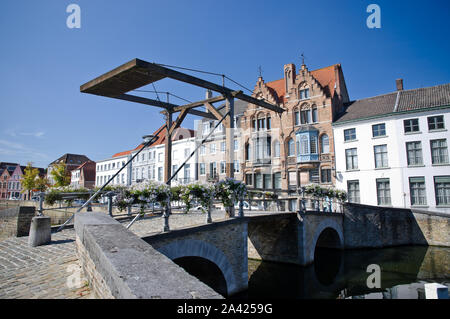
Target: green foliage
[322, 192]
[60, 175]
[29, 178]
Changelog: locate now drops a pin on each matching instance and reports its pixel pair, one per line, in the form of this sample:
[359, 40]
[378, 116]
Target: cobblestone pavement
[46, 272]
[53, 271]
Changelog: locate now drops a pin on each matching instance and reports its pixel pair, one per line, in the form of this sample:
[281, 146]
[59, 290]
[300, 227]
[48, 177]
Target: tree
[29, 179]
[59, 175]
[32, 182]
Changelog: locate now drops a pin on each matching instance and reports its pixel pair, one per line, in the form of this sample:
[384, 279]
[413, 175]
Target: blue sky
[43, 63]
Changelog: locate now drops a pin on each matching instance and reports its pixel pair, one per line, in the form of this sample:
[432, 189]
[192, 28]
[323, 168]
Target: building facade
[392, 150]
[72, 161]
[84, 176]
[285, 152]
[149, 164]
[211, 154]
[105, 169]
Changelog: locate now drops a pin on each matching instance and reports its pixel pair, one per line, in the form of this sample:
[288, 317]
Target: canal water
[345, 274]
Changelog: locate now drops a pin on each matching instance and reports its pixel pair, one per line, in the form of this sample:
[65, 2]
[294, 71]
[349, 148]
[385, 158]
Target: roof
[71, 159]
[397, 102]
[325, 76]
[177, 135]
[4, 164]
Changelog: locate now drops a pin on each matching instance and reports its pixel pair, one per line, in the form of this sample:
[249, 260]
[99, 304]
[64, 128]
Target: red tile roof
[325, 76]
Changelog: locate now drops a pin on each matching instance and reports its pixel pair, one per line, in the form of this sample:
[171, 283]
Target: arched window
[291, 147]
[247, 152]
[324, 144]
[314, 113]
[276, 148]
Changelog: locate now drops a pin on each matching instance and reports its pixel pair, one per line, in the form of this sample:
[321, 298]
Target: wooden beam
[200, 103]
[146, 101]
[203, 114]
[165, 72]
[216, 113]
[178, 121]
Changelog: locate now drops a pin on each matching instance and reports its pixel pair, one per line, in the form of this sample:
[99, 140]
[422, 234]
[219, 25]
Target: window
[291, 147]
[276, 149]
[236, 145]
[313, 144]
[325, 175]
[247, 152]
[353, 191]
[414, 153]
[160, 174]
[202, 150]
[187, 173]
[351, 157]
[258, 180]
[383, 192]
[222, 167]
[304, 94]
[187, 152]
[223, 147]
[350, 134]
[305, 116]
[212, 148]
[314, 114]
[248, 179]
[379, 130]
[202, 169]
[442, 190]
[261, 123]
[269, 123]
[254, 125]
[236, 166]
[417, 191]
[160, 157]
[436, 123]
[174, 169]
[324, 144]
[205, 128]
[296, 118]
[314, 175]
[267, 178]
[213, 169]
[381, 156]
[411, 125]
[439, 152]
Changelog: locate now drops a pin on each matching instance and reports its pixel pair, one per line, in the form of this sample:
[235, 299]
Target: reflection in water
[343, 274]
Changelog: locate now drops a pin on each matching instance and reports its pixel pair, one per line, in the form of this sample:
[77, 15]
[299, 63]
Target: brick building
[283, 153]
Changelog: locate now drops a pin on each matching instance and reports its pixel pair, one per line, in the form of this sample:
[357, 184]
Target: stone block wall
[120, 265]
[375, 227]
[16, 221]
[224, 244]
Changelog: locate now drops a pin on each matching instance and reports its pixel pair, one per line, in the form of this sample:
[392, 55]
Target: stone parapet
[120, 265]
[16, 221]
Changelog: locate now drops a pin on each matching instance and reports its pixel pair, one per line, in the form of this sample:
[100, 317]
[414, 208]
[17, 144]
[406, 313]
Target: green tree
[28, 179]
[59, 175]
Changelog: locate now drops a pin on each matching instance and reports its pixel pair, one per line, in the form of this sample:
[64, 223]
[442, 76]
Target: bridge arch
[197, 248]
[326, 227]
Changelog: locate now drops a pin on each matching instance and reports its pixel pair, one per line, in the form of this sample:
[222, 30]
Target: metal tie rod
[151, 141]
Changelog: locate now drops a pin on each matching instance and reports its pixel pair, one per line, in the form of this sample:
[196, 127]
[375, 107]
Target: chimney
[208, 95]
[399, 83]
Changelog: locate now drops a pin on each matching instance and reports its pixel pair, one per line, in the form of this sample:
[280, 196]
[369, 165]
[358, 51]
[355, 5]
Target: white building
[105, 169]
[392, 150]
[149, 164]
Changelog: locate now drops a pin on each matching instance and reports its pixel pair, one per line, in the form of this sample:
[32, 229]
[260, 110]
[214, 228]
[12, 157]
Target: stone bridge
[123, 265]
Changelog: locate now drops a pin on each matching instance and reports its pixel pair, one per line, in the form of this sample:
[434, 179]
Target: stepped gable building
[283, 153]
